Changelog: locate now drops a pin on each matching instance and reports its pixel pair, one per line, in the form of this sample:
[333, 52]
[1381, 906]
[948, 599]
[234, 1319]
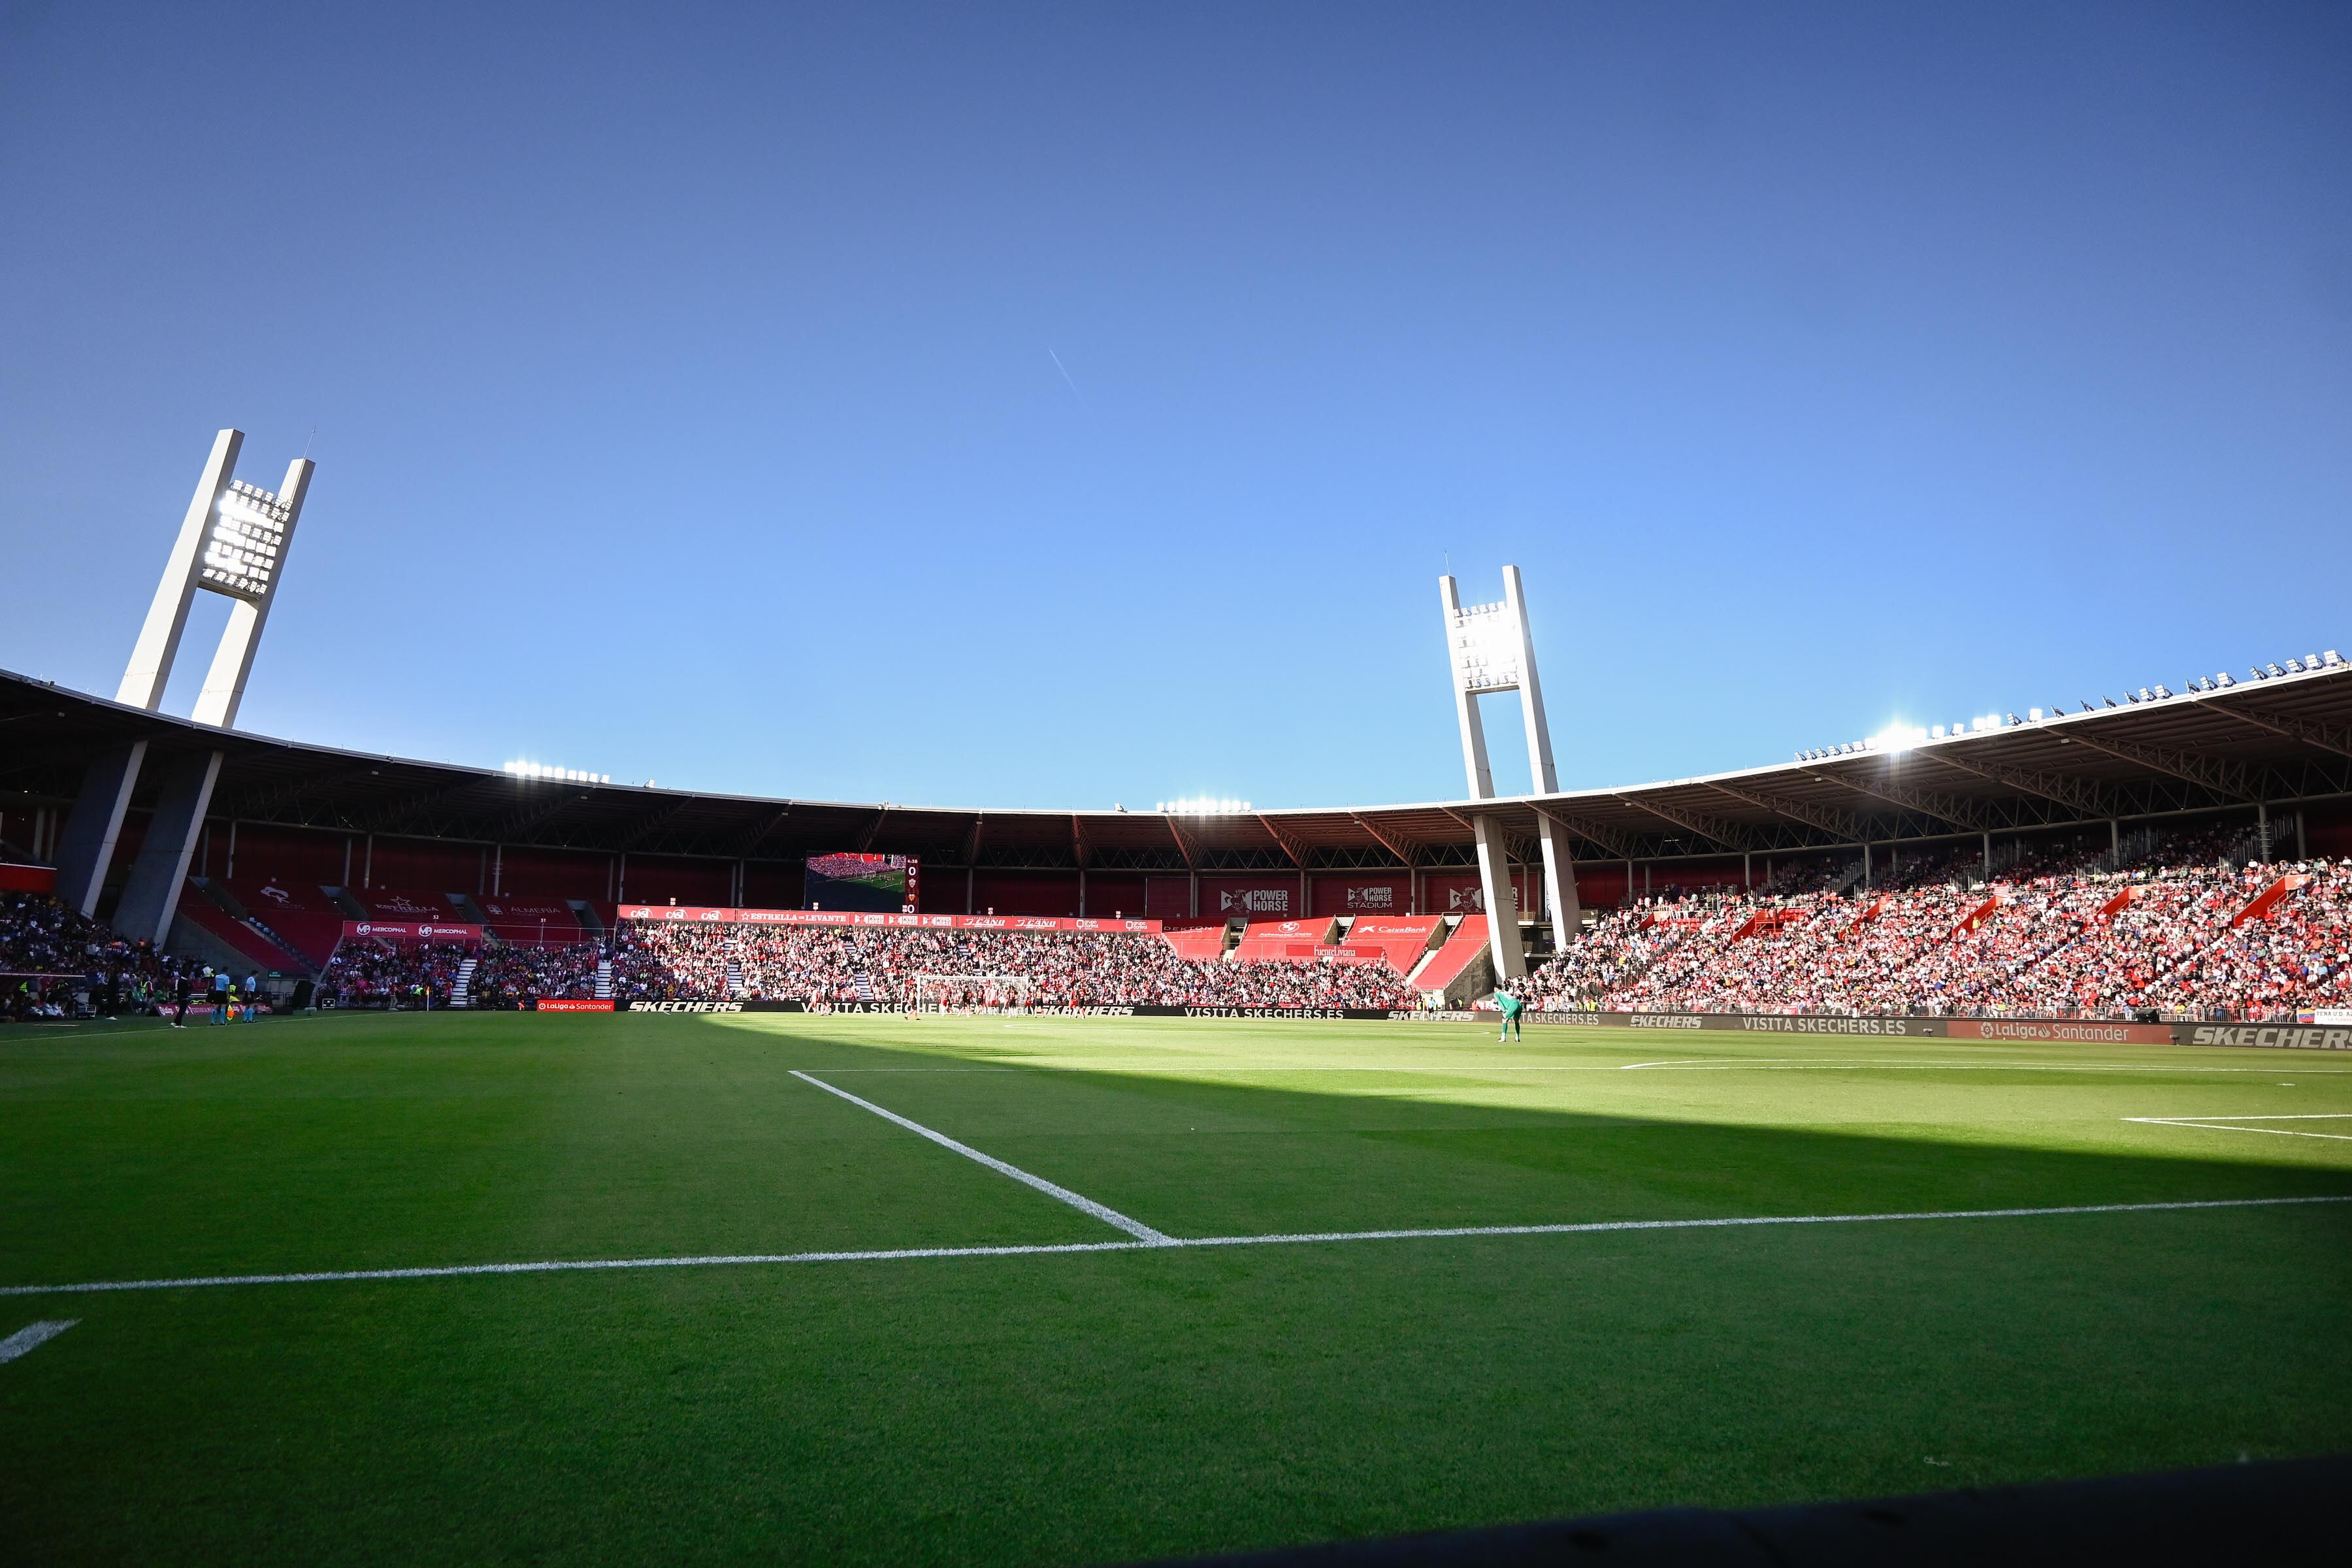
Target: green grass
[1089, 1406]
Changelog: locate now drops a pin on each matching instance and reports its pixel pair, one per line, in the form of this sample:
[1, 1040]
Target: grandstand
[2175, 857]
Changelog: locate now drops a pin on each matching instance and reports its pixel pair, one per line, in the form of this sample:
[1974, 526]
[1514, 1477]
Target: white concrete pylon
[233, 541]
[1491, 648]
[158, 648]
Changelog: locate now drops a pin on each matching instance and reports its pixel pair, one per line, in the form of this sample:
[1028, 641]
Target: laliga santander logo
[1256, 901]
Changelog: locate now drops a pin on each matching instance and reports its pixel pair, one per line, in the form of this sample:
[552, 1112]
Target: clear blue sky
[687, 405]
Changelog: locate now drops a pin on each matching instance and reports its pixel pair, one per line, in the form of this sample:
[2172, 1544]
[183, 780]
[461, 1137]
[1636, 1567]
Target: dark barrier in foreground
[2289, 1512]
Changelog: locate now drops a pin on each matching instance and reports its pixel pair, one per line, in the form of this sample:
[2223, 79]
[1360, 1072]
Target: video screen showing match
[875, 884]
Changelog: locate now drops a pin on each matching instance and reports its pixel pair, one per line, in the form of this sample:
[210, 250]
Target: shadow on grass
[1196, 1157]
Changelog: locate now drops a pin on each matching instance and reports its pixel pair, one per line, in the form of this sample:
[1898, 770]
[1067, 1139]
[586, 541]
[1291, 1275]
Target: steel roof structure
[2273, 743]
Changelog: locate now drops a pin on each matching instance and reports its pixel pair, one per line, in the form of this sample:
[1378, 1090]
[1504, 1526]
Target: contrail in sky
[1065, 371]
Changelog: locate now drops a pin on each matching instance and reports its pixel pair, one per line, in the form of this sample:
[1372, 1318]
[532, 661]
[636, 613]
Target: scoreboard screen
[872, 884]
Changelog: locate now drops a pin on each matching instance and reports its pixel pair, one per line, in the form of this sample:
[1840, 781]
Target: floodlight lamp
[2292, 668]
[2311, 661]
[2274, 669]
[2163, 690]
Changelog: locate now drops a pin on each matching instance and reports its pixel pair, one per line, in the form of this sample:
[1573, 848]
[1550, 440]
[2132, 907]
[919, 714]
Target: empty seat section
[1461, 950]
[1284, 939]
[1203, 943]
[531, 920]
[1399, 938]
[397, 904]
[252, 946]
[297, 913]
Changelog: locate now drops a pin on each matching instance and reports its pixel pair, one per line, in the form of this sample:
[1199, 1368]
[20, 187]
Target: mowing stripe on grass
[579, 1266]
[1110, 1216]
[33, 1335]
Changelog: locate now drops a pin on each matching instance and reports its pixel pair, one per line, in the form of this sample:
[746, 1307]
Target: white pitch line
[2228, 1124]
[33, 1335]
[462, 1271]
[1079, 1201]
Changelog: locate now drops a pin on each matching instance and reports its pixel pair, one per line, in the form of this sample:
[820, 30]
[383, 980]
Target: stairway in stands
[603, 980]
[864, 987]
[734, 977]
[461, 990]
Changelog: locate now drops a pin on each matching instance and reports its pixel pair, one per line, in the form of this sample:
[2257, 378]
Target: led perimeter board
[875, 884]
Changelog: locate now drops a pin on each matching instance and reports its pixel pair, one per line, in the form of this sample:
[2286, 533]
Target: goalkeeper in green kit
[1512, 1007]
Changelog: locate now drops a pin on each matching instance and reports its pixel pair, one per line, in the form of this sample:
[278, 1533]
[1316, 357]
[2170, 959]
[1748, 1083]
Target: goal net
[971, 993]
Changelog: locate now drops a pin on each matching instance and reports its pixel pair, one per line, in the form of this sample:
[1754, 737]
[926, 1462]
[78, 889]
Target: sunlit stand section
[233, 541]
[1493, 650]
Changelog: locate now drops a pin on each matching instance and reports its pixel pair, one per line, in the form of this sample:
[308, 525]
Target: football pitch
[1072, 1291]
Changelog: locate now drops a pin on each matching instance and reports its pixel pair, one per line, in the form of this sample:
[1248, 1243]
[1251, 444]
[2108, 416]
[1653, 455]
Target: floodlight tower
[1493, 650]
[233, 541]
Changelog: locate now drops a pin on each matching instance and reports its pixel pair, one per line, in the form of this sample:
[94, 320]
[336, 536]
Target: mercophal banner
[411, 931]
[705, 916]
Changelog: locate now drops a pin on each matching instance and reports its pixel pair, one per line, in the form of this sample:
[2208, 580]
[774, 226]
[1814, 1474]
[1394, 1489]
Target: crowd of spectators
[824, 965]
[367, 974]
[2045, 939]
[56, 963]
[511, 977]
[2199, 931]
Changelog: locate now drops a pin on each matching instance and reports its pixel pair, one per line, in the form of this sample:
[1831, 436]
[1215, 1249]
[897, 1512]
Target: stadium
[2165, 863]
[1643, 1131]
[882, 1068]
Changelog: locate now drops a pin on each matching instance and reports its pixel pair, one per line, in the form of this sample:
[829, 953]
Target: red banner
[707, 916]
[410, 930]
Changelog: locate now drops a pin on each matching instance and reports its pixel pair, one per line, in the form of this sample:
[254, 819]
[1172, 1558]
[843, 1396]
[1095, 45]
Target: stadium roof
[2274, 741]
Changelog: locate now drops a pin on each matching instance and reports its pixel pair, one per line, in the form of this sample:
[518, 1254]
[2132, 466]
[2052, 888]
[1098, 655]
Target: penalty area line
[1172, 1244]
[1079, 1201]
